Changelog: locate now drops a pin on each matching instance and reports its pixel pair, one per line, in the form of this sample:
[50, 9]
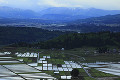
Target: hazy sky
[38, 4]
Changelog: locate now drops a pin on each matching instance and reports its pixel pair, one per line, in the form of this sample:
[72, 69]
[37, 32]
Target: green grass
[91, 57]
[103, 58]
[25, 59]
[96, 73]
[62, 73]
[67, 73]
[88, 78]
[56, 61]
[39, 64]
[10, 63]
[81, 70]
[84, 66]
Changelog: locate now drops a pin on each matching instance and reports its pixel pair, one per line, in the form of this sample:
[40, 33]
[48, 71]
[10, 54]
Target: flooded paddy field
[52, 65]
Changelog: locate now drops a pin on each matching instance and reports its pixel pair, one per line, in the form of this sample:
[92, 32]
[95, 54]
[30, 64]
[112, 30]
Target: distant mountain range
[8, 12]
[56, 13]
[108, 19]
[95, 24]
[76, 13]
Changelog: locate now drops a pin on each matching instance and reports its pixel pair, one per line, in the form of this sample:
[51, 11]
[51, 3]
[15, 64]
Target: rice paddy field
[38, 64]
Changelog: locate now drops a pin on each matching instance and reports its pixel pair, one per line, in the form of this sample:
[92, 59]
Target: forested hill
[109, 19]
[10, 35]
[76, 40]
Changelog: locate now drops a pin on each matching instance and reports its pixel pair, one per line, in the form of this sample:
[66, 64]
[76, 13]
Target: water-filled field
[31, 65]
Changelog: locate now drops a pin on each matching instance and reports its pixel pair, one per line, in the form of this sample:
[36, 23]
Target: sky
[41, 4]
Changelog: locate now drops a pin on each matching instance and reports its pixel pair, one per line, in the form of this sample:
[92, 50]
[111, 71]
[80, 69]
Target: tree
[102, 49]
[75, 73]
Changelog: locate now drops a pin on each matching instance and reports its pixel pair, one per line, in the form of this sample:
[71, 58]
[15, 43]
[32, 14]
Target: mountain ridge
[50, 13]
[108, 19]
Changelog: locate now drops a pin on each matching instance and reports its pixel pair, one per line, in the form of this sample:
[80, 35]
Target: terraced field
[50, 66]
[13, 69]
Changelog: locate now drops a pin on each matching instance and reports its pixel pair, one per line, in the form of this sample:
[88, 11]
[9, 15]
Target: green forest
[76, 40]
[9, 35]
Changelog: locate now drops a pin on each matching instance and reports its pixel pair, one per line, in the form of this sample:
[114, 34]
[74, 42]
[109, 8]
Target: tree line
[76, 40]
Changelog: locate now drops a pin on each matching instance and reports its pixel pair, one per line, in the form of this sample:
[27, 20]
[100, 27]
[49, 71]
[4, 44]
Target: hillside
[95, 24]
[85, 27]
[9, 35]
[75, 40]
[109, 19]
